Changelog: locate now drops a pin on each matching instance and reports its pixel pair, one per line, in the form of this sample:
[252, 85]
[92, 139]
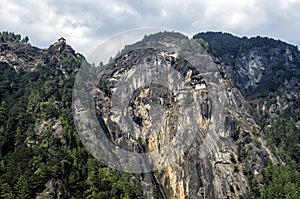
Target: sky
[85, 24]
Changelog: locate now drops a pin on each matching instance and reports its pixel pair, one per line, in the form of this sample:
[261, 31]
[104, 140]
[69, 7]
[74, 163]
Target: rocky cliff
[265, 70]
[225, 108]
[226, 149]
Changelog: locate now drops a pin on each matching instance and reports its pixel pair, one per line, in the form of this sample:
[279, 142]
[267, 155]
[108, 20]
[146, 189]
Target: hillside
[246, 132]
[41, 155]
[267, 72]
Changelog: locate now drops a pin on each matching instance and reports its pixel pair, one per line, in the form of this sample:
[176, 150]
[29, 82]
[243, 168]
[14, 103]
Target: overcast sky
[87, 23]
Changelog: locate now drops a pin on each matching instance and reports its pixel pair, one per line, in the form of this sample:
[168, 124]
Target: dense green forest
[38, 142]
[283, 181]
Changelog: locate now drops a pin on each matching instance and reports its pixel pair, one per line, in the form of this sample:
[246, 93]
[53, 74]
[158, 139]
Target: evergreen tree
[22, 188]
[6, 192]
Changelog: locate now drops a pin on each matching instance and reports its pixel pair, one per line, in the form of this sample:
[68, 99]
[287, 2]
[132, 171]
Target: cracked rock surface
[211, 167]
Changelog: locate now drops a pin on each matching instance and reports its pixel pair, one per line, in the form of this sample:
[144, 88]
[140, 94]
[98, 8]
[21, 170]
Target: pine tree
[6, 192]
[22, 188]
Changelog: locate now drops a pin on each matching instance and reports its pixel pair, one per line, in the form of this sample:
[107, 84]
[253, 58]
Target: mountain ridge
[37, 127]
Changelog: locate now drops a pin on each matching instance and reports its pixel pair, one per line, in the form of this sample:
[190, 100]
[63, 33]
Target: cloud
[116, 43]
[85, 24]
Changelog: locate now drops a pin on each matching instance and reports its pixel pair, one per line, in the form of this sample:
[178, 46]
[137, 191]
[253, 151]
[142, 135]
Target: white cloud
[87, 23]
[110, 47]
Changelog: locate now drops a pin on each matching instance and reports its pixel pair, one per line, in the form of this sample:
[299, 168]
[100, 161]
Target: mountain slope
[42, 156]
[256, 65]
[234, 151]
[267, 72]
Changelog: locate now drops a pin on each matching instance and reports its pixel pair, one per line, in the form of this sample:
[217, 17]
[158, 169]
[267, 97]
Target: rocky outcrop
[50, 191]
[24, 57]
[225, 150]
[265, 70]
[20, 56]
[256, 65]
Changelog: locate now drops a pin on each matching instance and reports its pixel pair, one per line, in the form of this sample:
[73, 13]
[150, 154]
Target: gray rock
[206, 169]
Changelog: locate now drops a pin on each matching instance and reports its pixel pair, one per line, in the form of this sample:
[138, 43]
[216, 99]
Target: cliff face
[213, 104]
[265, 70]
[227, 147]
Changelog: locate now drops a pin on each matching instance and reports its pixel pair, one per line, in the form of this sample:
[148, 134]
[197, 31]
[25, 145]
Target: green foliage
[6, 36]
[284, 136]
[25, 39]
[6, 191]
[231, 50]
[204, 44]
[108, 183]
[235, 134]
[257, 143]
[283, 181]
[102, 85]
[280, 182]
[242, 152]
[236, 169]
[155, 193]
[281, 132]
[22, 188]
[222, 43]
[34, 151]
